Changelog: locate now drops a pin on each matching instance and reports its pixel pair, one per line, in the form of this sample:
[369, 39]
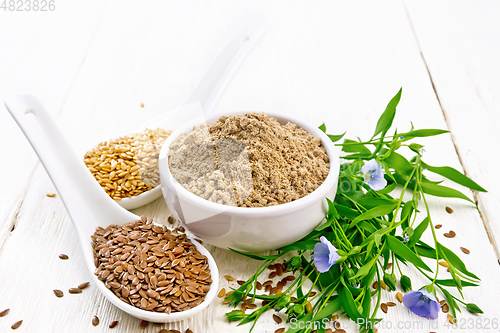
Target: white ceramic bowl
[243, 228]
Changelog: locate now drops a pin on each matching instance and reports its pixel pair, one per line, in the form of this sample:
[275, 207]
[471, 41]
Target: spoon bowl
[86, 202]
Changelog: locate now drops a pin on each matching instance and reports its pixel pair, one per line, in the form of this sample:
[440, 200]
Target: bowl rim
[322, 190]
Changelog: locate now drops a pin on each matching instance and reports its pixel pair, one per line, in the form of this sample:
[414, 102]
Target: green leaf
[388, 189]
[417, 233]
[322, 127]
[451, 302]
[345, 211]
[443, 191]
[385, 120]
[396, 246]
[365, 269]
[300, 245]
[425, 251]
[422, 133]
[398, 162]
[348, 303]
[370, 203]
[455, 175]
[336, 138]
[351, 146]
[415, 147]
[374, 212]
[367, 302]
[332, 211]
[454, 260]
[334, 306]
[451, 283]
[256, 256]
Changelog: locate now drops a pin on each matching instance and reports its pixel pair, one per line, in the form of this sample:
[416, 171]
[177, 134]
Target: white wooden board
[329, 61]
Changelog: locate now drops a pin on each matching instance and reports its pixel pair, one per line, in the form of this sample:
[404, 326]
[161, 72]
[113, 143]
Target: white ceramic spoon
[87, 204]
[210, 89]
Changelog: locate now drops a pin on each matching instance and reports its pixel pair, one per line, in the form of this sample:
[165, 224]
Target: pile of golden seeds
[150, 267]
[127, 166]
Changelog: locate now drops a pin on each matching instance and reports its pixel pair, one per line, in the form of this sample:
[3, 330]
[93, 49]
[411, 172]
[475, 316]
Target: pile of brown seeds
[151, 267]
[128, 165]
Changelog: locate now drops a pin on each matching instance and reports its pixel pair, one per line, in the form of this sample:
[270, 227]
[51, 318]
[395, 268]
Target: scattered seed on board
[58, 293]
[16, 325]
[95, 321]
[445, 308]
[309, 307]
[83, 285]
[449, 210]
[63, 256]
[113, 324]
[444, 264]
[171, 220]
[399, 296]
[389, 266]
[464, 250]
[280, 330]
[451, 319]
[390, 304]
[74, 290]
[272, 275]
[382, 284]
[453, 233]
[277, 319]
[51, 195]
[4, 312]
[375, 285]
[240, 282]
[229, 278]
[144, 323]
[384, 307]
[221, 293]
[142, 105]
[438, 226]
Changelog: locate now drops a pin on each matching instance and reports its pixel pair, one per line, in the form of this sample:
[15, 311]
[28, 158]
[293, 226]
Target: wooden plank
[335, 62]
[458, 40]
[41, 54]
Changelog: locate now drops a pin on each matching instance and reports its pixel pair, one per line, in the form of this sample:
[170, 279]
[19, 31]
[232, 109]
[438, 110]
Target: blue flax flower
[325, 255]
[422, 303]
[374, 175]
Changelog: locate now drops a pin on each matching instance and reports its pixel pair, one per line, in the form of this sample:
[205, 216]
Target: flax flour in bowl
[249, 160]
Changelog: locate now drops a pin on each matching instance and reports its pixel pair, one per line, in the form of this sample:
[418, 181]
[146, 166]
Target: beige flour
[249, 160]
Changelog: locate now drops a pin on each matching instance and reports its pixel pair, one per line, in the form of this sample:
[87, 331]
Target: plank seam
[13, 216]
[474, 194]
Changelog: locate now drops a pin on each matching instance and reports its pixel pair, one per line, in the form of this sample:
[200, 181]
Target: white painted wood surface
[95, 62]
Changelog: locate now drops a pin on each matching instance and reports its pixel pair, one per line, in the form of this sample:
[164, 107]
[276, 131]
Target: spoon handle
[87, 203]
[212, 85]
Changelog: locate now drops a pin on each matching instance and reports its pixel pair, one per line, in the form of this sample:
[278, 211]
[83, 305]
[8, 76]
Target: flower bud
[283, 302]
[235, 315]
[296, 310]
[405, 283]
[473, 308]
[390, 281]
